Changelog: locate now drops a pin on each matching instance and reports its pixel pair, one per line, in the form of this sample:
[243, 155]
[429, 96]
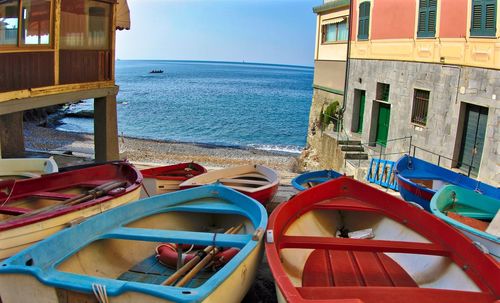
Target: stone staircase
[352, 150]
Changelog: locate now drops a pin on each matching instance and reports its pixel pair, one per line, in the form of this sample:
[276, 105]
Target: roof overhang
[122, 15]
[331, 5]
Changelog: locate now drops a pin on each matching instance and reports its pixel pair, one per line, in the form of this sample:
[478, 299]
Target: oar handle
[192, 263]
[189, 276]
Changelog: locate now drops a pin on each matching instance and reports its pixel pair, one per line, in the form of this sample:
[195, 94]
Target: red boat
[33, 209]
[344, 241]
[164, 179]
[256, 181]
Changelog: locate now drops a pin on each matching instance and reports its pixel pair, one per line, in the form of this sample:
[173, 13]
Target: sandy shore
[156, 152]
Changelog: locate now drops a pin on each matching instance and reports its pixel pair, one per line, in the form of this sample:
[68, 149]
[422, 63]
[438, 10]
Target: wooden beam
[26, 102]
[105, 129]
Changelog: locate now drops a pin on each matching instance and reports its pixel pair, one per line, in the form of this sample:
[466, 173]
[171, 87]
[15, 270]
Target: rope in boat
[10, 194]
[100, 293]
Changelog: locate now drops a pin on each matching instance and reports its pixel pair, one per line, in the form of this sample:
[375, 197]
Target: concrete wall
[451, 87]
[330, 74]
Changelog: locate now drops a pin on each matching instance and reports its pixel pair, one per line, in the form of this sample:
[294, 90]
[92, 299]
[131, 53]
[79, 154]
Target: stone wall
[451, 88]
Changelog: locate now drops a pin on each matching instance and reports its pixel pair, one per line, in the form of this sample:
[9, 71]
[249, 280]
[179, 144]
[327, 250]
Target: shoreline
[157, 151]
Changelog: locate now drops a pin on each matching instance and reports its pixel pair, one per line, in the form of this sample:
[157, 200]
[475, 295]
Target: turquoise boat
[118, 256]
[313, 178]
[474, 214]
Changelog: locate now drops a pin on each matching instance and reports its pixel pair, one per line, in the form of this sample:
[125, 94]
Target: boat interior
[128, 253]
[22, 204]
[434, 184]
[364, 249]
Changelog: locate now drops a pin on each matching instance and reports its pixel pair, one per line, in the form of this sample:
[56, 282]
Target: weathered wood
[105, 129]
[24, 100]
[80, 66]
[11, 135]
[26, 70]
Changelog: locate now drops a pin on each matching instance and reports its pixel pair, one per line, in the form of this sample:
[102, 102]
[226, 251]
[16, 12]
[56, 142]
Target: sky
[263, 31]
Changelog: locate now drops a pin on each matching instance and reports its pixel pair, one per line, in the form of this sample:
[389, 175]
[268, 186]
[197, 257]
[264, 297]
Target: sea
[243, 105]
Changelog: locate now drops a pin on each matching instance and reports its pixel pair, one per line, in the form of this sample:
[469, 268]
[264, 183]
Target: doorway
[474, 131]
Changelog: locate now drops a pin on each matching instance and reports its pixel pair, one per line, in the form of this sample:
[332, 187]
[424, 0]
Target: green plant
[329, 115]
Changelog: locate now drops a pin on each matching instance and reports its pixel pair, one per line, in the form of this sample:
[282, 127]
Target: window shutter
[364, 20]
[427, 18]
[483, 16]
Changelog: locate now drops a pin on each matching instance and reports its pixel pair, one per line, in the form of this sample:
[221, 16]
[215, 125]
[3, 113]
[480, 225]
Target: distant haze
[266, 31]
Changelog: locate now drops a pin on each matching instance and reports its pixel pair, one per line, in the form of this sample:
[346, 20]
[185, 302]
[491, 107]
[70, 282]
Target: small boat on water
[33, 209]
[156, 71]
[345, 241]
[256, 181]
[313, 178]
[26, 168]
[164, 179]
[117, 256]
[419, 180]
[474, 214]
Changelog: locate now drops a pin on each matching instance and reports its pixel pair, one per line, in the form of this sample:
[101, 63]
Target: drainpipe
[346, 81]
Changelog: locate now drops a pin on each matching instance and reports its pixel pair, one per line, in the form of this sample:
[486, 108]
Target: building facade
[329, 73]
[55, 52]
[429, 70]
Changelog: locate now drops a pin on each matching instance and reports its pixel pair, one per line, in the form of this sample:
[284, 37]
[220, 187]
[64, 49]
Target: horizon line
[218, 61]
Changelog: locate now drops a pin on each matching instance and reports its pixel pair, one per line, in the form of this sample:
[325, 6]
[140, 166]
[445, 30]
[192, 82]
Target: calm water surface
[228, 104]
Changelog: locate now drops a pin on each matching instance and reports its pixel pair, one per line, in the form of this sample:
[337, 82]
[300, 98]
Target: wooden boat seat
[362, 245]
[474, 223]
[241, 188]
[327, 268]
[177, 236]
[243, 181]
[345, 204]
[14, 211]
[53, 195]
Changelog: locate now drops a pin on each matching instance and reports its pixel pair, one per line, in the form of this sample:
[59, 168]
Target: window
[85, 24]
[383, 92]
[335, 30]
[420, 107]
[364, 21]
[9, 22]
[427, 18]
[484, 19]
[34, 20]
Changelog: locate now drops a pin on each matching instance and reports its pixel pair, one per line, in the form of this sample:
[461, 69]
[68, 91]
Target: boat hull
[419, 180]
[26, 168]
[402, 258]
[116, 250]
[314, 177]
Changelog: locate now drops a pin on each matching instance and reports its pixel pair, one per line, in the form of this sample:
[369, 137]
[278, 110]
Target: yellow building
[55, 52]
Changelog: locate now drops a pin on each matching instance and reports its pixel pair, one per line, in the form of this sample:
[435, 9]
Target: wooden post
[12, 135]
[105, 129]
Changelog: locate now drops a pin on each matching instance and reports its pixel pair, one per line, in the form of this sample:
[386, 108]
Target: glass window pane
[9, 22]
[85, 24]
[343, 31]
[36, 22]
[331, 32]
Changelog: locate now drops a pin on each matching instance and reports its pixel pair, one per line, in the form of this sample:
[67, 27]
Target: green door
[384, 115]
[473, 136]
[361, 111]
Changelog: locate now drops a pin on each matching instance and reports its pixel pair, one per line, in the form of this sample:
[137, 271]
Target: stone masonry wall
[451, 88]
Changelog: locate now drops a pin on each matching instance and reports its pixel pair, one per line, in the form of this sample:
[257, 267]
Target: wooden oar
[94, 193]
[188, 266]
[198, 267]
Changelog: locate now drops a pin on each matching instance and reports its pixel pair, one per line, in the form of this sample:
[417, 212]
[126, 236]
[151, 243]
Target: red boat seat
[327, 268]
[13, 211]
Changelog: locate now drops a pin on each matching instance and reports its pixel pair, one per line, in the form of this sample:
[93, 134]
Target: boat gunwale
[299, 205]
[254, 212]
[155, 172]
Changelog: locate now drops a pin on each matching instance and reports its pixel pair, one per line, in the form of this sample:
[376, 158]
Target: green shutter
[484, 19]
[427, 18]
[364, 21]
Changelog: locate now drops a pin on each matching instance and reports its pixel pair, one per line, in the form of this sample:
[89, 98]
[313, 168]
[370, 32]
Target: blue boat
[472, 213]
[117, 256]
[310, 179]
[419, 180]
